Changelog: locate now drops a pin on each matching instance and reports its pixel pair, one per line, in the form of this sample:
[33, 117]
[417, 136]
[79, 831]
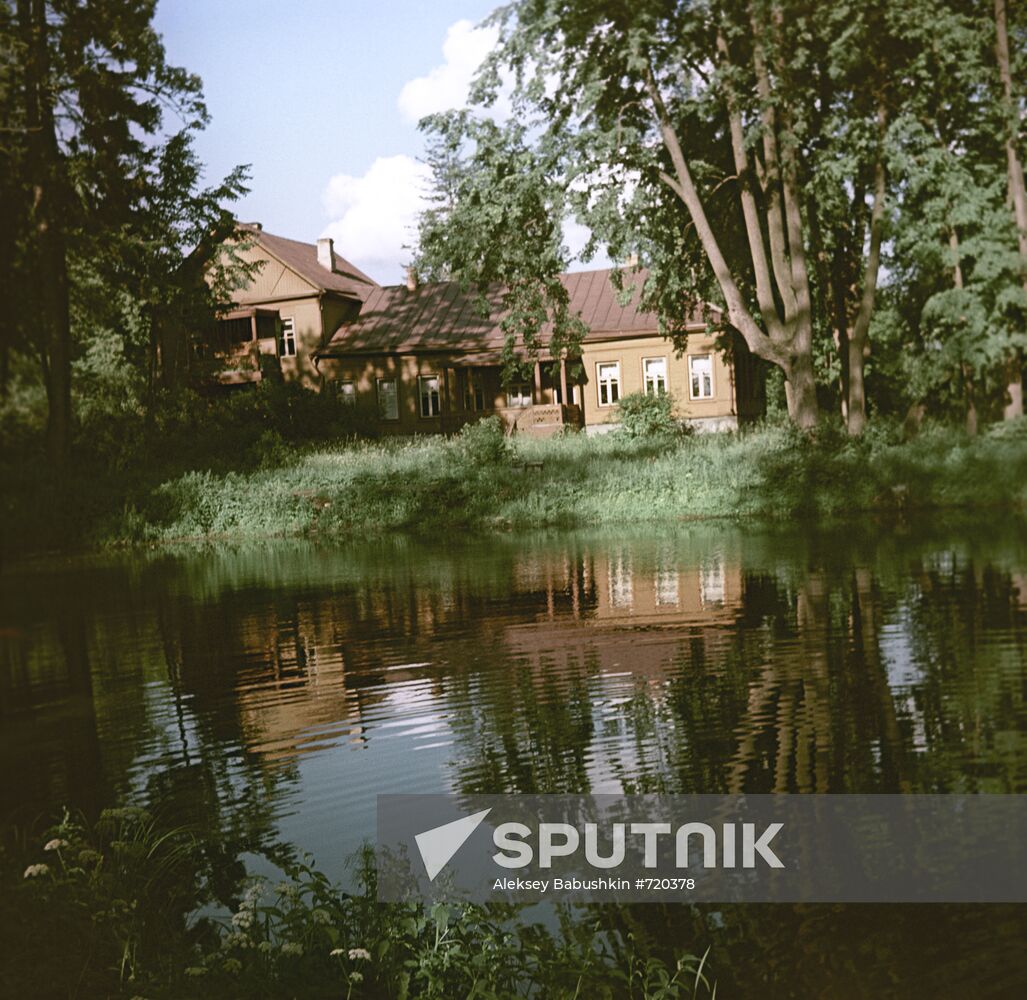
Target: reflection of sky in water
[898, 653]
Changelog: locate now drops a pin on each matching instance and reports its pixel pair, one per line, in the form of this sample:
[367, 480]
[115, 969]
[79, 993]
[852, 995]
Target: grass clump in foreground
[111, 910]
[479, 480]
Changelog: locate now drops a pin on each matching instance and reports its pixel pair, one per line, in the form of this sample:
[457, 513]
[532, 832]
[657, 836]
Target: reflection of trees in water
[678, 665]
[804, 692]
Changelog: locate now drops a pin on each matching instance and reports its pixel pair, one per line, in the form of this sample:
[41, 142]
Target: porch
[540, 408]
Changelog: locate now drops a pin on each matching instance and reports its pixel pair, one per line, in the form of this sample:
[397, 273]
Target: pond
[269, 693]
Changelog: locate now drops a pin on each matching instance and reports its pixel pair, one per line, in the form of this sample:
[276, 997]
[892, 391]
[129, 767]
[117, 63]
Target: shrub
[648, 415]
[484, 442]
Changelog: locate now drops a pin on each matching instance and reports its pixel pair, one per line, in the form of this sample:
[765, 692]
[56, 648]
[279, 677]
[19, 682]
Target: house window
[519, 395]
[388, 399]
[287, 344]
[700, 376]
[348, 393]
[654, 376]
[428, 386]
[608, 377]
[474, 393]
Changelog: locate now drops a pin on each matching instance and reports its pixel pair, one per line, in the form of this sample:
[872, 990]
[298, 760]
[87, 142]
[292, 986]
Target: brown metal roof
[347, 278]
[439, 317]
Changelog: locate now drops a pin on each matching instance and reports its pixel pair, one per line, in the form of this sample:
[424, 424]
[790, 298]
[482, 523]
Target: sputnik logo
[438, 845]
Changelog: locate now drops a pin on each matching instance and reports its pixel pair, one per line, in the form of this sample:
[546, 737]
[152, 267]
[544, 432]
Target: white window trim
[666, 374]
[713, 379]
[524, 392]
[378, 392]
[599, 383]
[291, 320]
[348, 398]
[421, 379]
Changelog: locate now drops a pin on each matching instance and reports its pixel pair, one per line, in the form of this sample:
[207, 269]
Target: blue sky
[321, 97]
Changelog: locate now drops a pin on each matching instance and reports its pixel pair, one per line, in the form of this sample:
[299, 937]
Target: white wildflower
[196, 970]
[355, 953]
[292, 948]
[244, 918]
[356, 977]
[33, 870]
[320, 916]
[265, 947]
[336, 952]
[232, 965]
[55, 845]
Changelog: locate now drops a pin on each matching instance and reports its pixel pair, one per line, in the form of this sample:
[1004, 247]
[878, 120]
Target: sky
[322, 99]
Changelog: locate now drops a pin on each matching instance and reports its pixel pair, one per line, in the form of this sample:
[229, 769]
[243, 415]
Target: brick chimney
[411, 278]
[326, 253]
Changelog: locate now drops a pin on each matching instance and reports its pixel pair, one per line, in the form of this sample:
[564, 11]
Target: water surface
[269, 693]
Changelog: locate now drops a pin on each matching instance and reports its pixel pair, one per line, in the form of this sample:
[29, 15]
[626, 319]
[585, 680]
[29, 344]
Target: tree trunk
[971, 402]
[801, 393]
[859, 337]
[1017, 195]
[53, 318]
[786, 340]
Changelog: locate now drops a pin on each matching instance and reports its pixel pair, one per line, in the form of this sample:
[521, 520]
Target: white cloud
[375, 216]
[447, 86]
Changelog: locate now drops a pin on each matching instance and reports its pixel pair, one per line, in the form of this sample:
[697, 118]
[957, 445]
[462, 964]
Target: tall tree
[87, 94]
[690, 134]
[1012, 122]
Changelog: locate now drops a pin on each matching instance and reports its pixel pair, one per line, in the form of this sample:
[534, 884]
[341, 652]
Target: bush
[484, 442]
[648, 415]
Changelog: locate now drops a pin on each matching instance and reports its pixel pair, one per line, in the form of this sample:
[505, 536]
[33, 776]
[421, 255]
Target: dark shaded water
[270, 693]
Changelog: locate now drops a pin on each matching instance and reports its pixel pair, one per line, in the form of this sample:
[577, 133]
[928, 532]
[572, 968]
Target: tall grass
[478, 481]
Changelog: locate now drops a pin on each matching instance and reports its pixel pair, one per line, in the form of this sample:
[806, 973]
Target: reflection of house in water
[627, 613]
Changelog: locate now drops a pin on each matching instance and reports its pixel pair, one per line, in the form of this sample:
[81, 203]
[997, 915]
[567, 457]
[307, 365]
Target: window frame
[434, 399]
[524, 391]
[666, 376]
[287, 338]
[601, 383]
[474, 385]
[394, 382]
[713, 383]
[347, 398]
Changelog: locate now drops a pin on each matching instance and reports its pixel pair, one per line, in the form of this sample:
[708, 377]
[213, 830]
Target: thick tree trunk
[1017, 195]
[801, 393]
[786, 337]
[53, 315]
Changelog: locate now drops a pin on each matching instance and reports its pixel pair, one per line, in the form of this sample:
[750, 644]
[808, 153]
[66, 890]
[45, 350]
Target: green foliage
[485, 443]
[108, 229]
[111, 911]
[238, 479]
[495, 226]
[648, 415]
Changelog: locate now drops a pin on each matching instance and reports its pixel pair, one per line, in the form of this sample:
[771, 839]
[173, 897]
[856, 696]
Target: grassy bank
[481, 481]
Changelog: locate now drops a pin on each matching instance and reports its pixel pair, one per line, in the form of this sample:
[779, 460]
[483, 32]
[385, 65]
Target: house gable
[274, 280]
